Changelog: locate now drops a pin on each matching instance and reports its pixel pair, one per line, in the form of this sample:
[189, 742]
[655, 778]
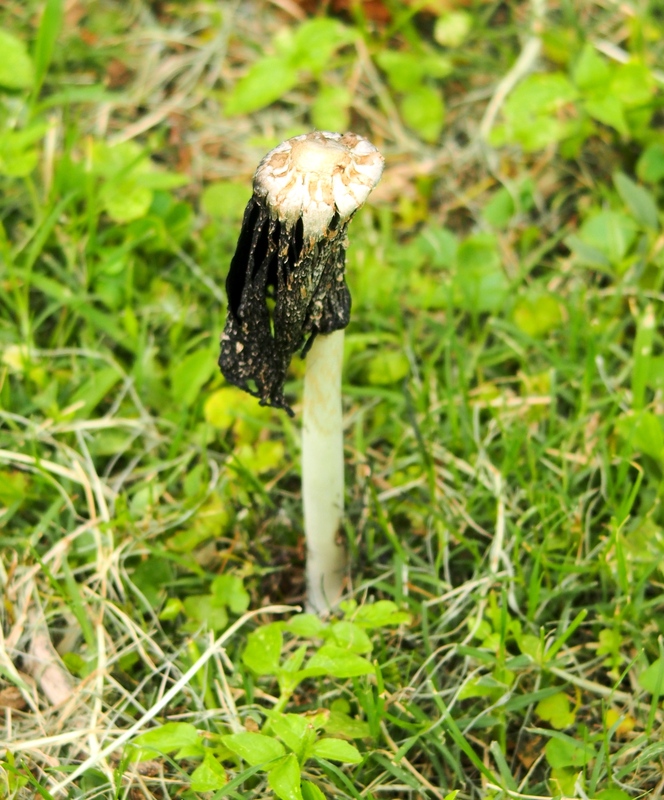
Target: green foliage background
[503, 396]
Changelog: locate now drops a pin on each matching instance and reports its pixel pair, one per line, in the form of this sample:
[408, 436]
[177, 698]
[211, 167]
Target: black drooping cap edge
[282, 291]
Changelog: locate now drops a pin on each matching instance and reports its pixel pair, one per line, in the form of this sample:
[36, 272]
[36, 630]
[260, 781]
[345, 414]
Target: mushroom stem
[286, 291]
[323, 472]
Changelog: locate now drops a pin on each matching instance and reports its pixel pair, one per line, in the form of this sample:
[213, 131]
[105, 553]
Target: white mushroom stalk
[323, 472]
[286, 292]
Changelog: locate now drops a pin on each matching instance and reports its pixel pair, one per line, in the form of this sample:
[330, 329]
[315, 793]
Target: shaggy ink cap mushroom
[286, 281]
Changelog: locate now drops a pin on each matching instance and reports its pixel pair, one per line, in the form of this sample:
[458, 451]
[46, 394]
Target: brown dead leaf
[74, 13]
[375, 10]
[118, 74]
[11, 697]
[529, 751]
[88, 37]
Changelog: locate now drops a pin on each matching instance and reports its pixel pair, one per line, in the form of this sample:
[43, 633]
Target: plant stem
[323, 472]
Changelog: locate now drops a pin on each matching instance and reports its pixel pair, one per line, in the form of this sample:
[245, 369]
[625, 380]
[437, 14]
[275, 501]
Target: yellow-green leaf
[556, 710]
[208, 776]
[16, 67]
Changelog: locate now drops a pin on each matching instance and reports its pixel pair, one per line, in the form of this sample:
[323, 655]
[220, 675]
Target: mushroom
[286, 292]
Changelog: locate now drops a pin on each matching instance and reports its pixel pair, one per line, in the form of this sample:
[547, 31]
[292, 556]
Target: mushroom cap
[317, 175]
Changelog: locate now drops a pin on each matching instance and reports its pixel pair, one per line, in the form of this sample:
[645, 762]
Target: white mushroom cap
[315, 175]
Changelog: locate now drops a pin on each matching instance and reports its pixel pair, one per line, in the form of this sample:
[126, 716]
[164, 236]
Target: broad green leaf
[480, 687]
[591, 72]
[308, 626]
[531, 646]
[642, 432]
[263, 650]
[532, 134]
[339, 722]
[189, 376]
[650, 166]
[16, 67]
[213, 518]
[172, 609]
[563, 781]
[612, 794]
[638, 200]
[206, 610]
[587, 254]
[118, 160]
[220, 407]
[208, 775]
[267, 81]
[611, 232]
[452, 28]
[231, 406]
[254, 748]
[532, 112]
[337, 750]
[652, 678]
[556, 710]
[229, 590]
[338, 663]
[160, 180]
[350, 636]
[608, 110]
[537, 315]
[260, 457]
[633, 84]
[610, 642]
[151, 577]
[318, 719]
[292, 663]
[541, 93]
[284, 779]
[387, 367]
[13, 486]
[643, 544]
[18, 157]
[225, 200]
[500, 209]
[406, 70]
[294, 730]
[561, 43]
[311, 792]
[315, 41]
[423, 110]
[15, 140]
[125, 200]
[18, 164]
[567, 752]
[381, 614]
[166, 739]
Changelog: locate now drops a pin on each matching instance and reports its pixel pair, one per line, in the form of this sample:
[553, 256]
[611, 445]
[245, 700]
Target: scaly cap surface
[316, 175]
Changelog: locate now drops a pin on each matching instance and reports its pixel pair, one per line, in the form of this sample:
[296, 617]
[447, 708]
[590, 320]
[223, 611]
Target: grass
[503, 401]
